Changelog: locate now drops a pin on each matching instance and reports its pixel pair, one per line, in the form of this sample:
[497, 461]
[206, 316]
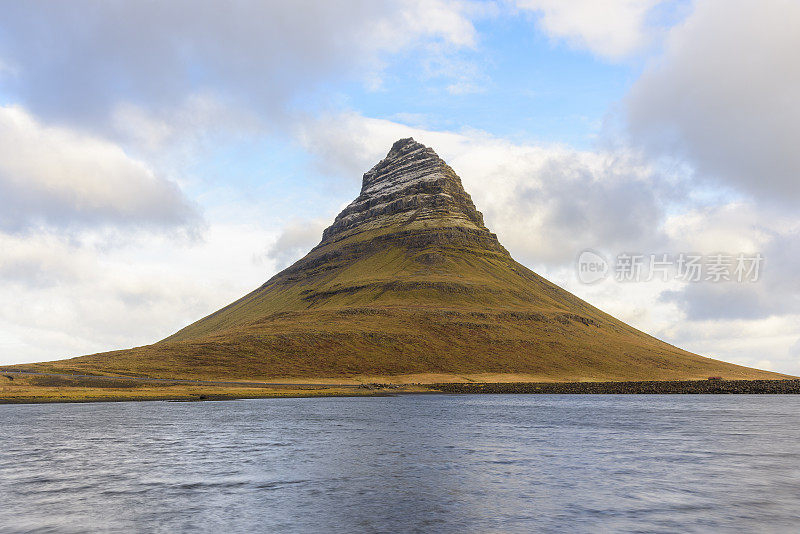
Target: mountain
[409, 281]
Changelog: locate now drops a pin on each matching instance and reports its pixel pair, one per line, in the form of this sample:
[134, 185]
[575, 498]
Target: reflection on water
[405, 464]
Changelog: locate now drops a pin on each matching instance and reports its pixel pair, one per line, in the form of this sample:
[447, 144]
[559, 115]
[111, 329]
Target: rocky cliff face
[412, 189]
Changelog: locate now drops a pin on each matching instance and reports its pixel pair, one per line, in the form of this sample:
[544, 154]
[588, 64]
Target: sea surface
[411, 463]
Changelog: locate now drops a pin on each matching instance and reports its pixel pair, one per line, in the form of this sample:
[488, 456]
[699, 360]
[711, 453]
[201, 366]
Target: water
[405, 464]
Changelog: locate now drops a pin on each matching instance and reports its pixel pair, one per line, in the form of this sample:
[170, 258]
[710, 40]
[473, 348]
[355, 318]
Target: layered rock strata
[411, 189]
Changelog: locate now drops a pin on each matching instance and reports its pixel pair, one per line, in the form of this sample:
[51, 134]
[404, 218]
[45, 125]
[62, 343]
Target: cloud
[612, 29]
[64, 298]
[295, 240]
[723, 96]
[720, 100]
[723, 301]
[60, 178]
[745, 342]
[42, 260]
[733, 229]
[568, 200]
[79, 62]
[186, 125]
[730, 227]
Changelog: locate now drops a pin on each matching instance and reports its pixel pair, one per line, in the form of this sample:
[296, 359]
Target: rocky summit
[413, 191]
[409, 283]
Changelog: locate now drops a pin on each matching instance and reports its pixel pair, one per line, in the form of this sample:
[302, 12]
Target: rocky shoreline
[715, 387]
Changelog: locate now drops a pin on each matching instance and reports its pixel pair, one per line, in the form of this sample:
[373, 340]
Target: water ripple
[405, 464]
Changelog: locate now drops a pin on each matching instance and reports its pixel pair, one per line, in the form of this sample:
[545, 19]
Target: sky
[160, 159]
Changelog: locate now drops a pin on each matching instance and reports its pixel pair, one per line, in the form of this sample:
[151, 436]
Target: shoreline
[644, 387]
[81, 393]
[178, 398]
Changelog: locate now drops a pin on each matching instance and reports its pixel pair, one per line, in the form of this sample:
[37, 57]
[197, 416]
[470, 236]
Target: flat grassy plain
[21, 389]
[36, 389]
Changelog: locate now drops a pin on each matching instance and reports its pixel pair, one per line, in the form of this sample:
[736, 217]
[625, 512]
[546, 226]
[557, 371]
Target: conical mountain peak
[412, 184]
[408, 281]
[406, 145]
[406, 160]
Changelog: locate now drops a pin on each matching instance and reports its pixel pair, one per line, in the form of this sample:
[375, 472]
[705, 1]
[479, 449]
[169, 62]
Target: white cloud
[446, 19]
[295, 240]
[58, 177]
[732, 229]
[61, 299]
[611, 29]
[79, 62]
[724, 96]
[742, 341]
[42, 260]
